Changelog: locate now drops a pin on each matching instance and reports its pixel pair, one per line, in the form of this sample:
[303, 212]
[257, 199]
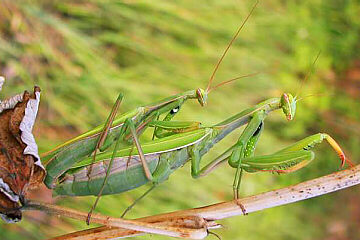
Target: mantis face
[201, 96]
[288, 105]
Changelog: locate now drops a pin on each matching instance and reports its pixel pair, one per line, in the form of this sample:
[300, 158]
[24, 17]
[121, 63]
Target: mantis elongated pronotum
[165, 155]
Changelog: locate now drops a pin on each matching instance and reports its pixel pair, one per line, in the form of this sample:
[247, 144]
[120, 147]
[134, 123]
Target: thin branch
[305, 190]
[191, 227]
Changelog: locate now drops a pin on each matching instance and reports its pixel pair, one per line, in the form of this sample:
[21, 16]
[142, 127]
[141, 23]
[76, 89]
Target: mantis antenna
[315, 95]
[232, 80]
[308, 74]
[228, 47]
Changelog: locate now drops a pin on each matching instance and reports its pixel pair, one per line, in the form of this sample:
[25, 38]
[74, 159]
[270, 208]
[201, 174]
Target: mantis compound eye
[288, 105]
[174, 110]
[201, 96]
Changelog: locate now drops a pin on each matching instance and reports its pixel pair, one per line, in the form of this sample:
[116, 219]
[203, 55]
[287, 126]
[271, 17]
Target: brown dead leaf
[19, 172]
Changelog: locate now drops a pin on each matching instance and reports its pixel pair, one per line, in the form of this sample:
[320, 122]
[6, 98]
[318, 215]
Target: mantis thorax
[288, 105]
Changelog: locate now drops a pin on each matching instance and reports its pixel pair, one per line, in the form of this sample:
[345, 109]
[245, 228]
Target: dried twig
[305, 190]
[190, 227]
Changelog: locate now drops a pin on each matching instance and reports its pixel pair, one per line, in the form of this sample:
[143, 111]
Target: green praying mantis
[166, 154]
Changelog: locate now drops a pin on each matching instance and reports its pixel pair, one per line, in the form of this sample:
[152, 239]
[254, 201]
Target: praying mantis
[165, 154]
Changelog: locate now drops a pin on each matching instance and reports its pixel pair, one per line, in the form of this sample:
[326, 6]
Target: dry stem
[305, 190]
[191, 227]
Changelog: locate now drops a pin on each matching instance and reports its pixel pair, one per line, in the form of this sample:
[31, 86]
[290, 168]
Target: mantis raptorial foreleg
[286, 160]
[166, 128]
[158, 130]
[245, 146]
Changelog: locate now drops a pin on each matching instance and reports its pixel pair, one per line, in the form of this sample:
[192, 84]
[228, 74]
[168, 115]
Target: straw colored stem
[186, 227]
[305, 190]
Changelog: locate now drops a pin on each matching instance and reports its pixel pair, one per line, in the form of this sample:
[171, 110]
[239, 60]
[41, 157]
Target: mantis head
[288, 105]
[202, 96]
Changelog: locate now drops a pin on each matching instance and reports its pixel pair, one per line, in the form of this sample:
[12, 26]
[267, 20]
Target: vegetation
[83, 53]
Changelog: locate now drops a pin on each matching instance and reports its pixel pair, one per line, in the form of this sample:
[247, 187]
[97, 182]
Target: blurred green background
[83, 53]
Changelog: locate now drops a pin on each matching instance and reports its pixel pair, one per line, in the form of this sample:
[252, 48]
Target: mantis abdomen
[163, 156]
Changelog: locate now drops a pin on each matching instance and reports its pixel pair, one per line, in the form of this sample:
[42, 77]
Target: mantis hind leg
[137, 200]
[243, 148]
[103, 135]
[127, 124]
[160, 174]
[99, 145]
